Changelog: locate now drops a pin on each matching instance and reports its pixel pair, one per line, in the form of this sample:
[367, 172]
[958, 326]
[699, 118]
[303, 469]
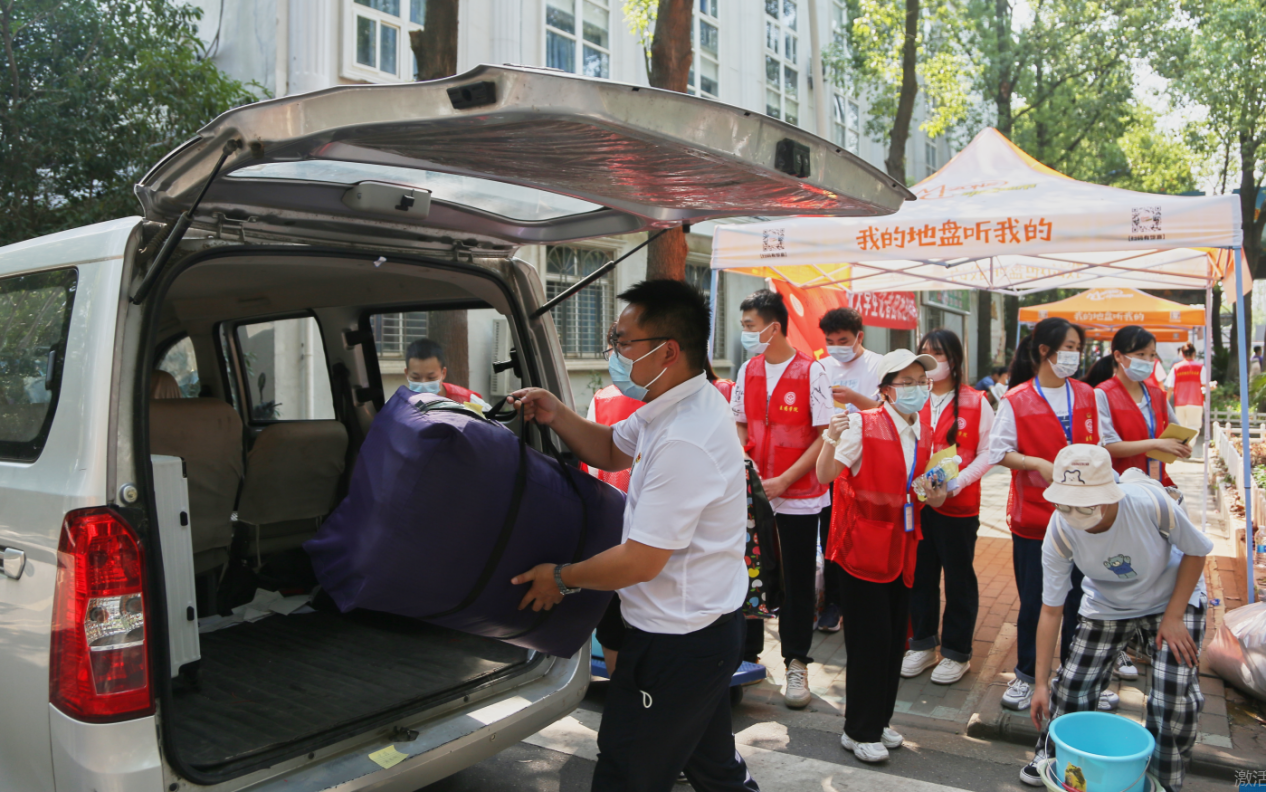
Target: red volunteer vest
[1187, 383]
[868, 537]
[1130, 424]
[1039, 433]
[779, 435]
[967, 502]
[457, 393]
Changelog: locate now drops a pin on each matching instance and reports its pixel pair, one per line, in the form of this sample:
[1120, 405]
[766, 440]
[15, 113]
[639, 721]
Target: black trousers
[830, 583]
[949, 547]
[798, 536]
[1026, 561]
[875, 636]
[668, 710]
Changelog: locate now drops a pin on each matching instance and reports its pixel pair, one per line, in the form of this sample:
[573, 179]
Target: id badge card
[908, 512]
[1154, 469]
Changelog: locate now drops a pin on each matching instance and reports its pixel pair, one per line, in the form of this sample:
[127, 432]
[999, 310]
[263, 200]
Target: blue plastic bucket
[1100, 752]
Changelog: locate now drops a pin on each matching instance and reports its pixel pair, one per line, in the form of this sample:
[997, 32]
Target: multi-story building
[756, 54]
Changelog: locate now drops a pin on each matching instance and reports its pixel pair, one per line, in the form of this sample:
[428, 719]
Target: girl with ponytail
[1044, 411]
[960, 416]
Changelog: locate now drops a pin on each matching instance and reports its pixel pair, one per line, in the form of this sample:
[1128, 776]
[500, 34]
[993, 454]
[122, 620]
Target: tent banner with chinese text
[805, 307]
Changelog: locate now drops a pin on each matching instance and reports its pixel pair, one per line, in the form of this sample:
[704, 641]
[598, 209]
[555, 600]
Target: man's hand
[1175, 633]
[843, 395]
[774, 487]
[537, 405]
[544, 592]
[1040, 709]
[838, 424]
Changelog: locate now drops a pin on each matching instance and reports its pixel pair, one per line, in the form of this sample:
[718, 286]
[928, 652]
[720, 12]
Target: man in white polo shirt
[680, 569]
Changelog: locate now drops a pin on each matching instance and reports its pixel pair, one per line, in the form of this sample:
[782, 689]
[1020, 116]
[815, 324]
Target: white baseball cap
[899, 359]
[1083, 477]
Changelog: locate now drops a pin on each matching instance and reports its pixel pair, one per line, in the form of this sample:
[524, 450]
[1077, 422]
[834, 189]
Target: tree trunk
[984, 329]
[435, 45]
[671, 56]
[1002, 91]
[1215, 327]
[1011, 306]
[896, 160]
[435, 50]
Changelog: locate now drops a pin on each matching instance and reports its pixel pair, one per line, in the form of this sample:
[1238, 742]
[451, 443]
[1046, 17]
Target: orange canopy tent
[1109, 308]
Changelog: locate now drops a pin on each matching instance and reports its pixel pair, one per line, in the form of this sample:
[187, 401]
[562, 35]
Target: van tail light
[99, 668]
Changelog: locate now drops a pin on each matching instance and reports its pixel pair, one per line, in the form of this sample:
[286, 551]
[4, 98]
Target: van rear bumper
[451, 742]
[106, 757]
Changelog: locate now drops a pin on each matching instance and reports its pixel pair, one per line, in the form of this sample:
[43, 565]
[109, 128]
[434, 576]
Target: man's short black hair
[425, 348]
[837, 320]
[674, 309]
[1257, 347]
[768, 305]
[998, 371]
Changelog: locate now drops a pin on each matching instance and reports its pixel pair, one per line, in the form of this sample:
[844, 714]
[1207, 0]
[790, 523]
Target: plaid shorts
[1173, 703]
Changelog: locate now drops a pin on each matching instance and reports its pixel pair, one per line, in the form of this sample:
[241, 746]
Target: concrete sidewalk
[1231, 735]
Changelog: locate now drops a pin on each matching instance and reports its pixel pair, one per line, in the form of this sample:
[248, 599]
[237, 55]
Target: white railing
[1222, 440]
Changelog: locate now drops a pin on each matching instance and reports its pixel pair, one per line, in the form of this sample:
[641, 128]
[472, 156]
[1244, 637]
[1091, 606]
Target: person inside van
[1144, 576]
[781, 403]
[425, 372]
[1044, 411]
[874, 537]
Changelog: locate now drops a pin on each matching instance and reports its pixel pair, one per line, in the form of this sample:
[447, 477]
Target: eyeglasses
[924, 384]
[1084, 511]
[613, 345]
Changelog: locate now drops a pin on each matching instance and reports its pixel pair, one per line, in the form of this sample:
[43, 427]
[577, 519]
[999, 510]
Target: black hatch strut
[593, 276]
[174, 232]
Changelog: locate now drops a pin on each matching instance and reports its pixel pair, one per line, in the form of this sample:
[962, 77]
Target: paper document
[1177, 432]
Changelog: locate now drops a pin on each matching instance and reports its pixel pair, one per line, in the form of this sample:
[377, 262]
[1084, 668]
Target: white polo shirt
[687, 493]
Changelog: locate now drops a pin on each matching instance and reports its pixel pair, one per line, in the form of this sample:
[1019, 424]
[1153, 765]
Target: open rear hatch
[504, 155]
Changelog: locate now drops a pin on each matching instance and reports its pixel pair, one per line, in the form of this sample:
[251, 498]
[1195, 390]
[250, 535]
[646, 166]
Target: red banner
[805, 307]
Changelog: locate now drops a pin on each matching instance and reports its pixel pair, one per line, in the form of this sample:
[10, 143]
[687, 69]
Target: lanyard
[913, 462]
[1067, 423]
[1148, 415]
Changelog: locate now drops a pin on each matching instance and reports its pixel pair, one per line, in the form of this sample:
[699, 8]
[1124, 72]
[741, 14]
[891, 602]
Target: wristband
[827, 438]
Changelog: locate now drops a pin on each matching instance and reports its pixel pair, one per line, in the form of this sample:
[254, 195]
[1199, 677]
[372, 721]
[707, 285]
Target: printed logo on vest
[962, 424]
[1090, 426]
[790, 397]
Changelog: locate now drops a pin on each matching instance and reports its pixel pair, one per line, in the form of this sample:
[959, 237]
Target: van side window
[180, 362]
[35, 313]
[286, 374]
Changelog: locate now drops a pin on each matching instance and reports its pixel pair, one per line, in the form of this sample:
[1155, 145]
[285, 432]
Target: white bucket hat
[899, 359]
[1083, 477]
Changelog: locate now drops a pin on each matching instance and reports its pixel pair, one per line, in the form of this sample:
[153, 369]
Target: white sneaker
[1125, 667]
[1108, 701]
[917, 661]
[1019, 695]
[949, 671]
[795, 693]
[891, 738]
[867, 752]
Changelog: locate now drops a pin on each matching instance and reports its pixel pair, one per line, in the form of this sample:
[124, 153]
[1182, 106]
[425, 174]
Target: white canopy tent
[996, 219]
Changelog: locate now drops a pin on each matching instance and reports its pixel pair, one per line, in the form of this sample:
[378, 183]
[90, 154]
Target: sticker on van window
[388, 757]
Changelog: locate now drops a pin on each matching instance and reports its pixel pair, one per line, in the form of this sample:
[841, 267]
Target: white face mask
[942, 371]
[843, 354]
[751, 340]
[1139, 369]
[1082, 522]
[1065, 364]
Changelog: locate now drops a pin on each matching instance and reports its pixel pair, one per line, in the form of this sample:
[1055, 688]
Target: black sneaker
[1031, 773]
[830, 620]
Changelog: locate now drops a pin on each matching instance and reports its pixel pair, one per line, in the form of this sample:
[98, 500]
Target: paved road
[786, 750]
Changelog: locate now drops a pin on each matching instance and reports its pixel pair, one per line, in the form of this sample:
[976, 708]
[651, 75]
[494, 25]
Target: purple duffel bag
[444, 508]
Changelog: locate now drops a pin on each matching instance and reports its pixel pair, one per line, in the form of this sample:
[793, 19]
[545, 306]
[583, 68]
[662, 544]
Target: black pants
[798, 536]
[875, 637]
[829, 578]
[1026, 559]
[949, 546]
[668, 710]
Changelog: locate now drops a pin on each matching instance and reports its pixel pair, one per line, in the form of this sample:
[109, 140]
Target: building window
[699, 275]
[782, 69]
[705, 68]
[583, 320]
[579, 46]
[847, 123]
[394, 332]
[378, 41]
[929, 156]
[839, 23]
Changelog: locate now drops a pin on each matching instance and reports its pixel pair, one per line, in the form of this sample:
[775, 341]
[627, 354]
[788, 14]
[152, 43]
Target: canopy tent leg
[1246, 454]
[1208, 400]
[712, 326]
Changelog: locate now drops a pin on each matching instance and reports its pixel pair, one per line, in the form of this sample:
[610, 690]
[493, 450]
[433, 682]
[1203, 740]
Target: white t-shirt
[1108, 430]
[861, 374]
[1132, 567]
[1002, 438]
[687, 493]
[821, 409]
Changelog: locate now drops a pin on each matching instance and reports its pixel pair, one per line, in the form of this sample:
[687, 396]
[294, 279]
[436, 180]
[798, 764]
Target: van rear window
[35, 311]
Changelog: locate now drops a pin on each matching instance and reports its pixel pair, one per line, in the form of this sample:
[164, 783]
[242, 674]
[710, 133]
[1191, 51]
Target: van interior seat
[162, 385]
[292, 477]
[207, 434]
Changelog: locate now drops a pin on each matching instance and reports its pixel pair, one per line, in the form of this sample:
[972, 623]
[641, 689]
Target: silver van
[183, 394]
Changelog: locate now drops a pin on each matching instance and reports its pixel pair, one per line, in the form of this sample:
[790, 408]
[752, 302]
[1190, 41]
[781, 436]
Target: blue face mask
[425, 387]
[750, 339]
[1139, 369]
[621, 370]
[910, 398]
